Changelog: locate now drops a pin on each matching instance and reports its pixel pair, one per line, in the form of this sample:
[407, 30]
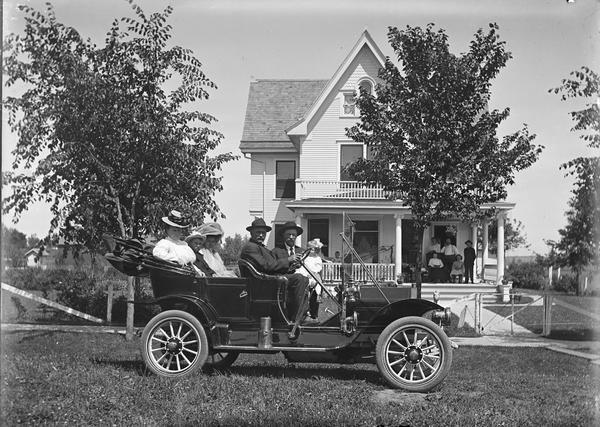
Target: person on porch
[449, 252]
[470, 256]
[436, 268]
[458, 270]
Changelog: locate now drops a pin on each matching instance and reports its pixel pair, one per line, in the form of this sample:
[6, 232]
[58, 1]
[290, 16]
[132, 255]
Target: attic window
[349, 104]
[367, 86]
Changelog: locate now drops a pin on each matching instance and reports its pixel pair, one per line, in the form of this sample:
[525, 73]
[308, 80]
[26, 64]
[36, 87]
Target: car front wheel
[174, 344]
[413, 354]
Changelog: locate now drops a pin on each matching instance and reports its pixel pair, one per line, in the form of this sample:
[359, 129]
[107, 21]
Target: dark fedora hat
[258, 223]
[292, 224]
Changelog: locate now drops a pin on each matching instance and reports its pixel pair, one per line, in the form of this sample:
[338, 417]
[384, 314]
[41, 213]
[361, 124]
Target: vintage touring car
[209, 321]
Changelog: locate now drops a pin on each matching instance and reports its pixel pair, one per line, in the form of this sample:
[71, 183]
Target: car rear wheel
[221, 360]
[174, 344]
[413, 354]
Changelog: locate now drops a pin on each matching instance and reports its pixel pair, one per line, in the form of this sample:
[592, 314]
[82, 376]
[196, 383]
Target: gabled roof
[365, 39]
[274, 106]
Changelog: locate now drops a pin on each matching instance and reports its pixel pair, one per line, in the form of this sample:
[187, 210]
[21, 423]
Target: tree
[232, 248]
[14, 246]
[105, 142]
[579, 243]
[514, 235]
[431, 138]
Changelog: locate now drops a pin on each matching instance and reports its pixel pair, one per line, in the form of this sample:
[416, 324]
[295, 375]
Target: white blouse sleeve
[163, 250]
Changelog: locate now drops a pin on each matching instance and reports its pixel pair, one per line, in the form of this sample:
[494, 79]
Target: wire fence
[524, 313]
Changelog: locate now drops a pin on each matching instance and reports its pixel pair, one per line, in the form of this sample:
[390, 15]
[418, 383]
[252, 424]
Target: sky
[239, 41]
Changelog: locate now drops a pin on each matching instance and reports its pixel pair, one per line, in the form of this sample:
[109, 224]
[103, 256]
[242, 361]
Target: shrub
[142, 313]
[566, 283]
[527, 275]
[81, 292]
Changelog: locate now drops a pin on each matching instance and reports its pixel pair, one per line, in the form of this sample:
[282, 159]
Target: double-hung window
[285, 187]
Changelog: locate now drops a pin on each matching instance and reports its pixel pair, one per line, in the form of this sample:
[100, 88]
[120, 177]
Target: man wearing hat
[289, 231]
[265, 261]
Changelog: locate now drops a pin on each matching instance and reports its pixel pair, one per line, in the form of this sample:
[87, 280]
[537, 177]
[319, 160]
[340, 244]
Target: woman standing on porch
[449, 252]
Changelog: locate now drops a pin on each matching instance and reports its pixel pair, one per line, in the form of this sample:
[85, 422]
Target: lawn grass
[99, 379]
[566, 324]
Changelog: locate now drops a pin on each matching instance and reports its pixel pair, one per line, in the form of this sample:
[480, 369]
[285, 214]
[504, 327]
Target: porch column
[398, 247]
[485, 249]
[298, 221]
[474, 240]
[500, 250]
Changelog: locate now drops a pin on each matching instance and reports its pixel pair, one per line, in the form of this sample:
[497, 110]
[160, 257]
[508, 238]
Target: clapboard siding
[275, 210]
[320, 151]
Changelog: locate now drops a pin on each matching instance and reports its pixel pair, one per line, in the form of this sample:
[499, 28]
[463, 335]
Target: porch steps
[450, 292]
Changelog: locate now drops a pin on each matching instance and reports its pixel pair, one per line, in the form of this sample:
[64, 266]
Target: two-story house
[295, 137]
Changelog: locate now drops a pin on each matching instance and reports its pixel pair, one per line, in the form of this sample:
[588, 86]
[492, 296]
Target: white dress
[214, 261]
[174, 250]
[314, 263]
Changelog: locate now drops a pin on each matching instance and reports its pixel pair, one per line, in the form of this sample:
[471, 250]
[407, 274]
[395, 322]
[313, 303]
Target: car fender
[399, 309]
[191, 304]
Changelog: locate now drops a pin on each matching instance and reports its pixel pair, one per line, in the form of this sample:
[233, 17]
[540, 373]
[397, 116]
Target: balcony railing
[333, 189]
[332, 272]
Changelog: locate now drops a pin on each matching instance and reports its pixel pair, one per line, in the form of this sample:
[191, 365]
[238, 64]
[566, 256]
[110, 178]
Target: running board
[256, 349]
[453, 344]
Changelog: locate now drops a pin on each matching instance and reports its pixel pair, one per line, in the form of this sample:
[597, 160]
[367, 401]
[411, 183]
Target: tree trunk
[419, 263]
[130, 311]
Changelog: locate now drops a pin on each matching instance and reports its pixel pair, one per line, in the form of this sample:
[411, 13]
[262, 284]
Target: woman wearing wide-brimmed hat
[172, 248]
[213, 233]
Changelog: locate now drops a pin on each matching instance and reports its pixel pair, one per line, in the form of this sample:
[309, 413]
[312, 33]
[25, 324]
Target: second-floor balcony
[333, 189]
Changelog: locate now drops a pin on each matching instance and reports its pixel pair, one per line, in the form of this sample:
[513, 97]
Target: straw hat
[175, 219]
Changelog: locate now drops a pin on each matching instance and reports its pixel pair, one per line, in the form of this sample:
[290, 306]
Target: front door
[319, 227]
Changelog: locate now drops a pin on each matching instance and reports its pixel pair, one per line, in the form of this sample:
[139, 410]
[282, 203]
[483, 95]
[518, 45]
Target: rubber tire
[223, 363]
[191, 322]
[406, 323]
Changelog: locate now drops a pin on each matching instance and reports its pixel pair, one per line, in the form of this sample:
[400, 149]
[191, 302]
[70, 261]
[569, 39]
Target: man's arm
[264, 260]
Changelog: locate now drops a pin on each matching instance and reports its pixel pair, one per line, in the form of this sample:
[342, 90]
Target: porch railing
[333, 189]
[332, 272]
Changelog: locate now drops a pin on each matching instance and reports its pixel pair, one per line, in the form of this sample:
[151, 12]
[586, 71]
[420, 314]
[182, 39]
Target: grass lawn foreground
[100, 379]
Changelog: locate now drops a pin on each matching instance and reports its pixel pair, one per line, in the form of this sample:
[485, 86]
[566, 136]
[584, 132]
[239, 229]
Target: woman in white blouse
[213, 233]
[172, 248]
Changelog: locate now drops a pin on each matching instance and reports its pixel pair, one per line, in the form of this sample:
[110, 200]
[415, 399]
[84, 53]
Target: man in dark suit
[290, 231]
[265, 261]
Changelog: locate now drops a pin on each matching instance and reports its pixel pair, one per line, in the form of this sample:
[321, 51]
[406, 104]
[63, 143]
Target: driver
[265, 261]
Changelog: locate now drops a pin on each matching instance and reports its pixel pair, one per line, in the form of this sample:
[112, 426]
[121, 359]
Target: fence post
[512, 313]
[477, 313]
[549, 277]
[547, 325]
[109, 302]
[475, 323]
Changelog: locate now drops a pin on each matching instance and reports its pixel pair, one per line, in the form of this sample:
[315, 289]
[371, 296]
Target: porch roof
[317, 205]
